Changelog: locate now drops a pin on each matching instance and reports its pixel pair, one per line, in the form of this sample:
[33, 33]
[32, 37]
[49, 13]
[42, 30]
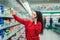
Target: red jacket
[32, 31]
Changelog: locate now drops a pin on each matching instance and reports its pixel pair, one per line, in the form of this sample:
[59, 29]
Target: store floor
[47, 35]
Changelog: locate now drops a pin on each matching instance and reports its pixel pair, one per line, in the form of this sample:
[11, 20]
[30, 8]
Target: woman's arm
[22, 21]
[38, 29]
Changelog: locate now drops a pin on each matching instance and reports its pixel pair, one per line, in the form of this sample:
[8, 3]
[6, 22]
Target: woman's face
[34, 15]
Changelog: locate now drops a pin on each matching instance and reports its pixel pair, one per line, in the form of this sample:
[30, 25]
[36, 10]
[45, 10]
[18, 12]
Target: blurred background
[10, 29]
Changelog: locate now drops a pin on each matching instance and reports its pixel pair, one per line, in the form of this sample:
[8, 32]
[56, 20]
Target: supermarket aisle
[49, 35]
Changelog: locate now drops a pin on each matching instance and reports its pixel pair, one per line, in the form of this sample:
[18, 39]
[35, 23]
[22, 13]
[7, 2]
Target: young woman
[33, 27]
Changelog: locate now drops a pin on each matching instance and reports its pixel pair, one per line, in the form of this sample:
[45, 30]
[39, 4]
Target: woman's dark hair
[40, 18]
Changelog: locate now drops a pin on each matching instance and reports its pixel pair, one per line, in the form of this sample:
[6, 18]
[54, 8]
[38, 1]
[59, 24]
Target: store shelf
[3, 27]
[56, 29]
[19, 35]
[3, 16]
[57, 26]
[52, 11]
[50, 14]
[7, 37]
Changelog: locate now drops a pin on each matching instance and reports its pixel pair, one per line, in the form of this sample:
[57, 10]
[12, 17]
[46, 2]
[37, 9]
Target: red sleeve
[38, 28]
[20, 20]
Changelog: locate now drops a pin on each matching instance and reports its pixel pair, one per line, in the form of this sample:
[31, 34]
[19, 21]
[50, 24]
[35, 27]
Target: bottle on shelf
[1, 9]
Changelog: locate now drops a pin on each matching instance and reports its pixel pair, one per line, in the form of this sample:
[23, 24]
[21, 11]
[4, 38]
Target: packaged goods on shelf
[13, 37]
[7, 12]
[16, 33]
[6, 22]
[22, 37]
[1, 21]
[1, 9]
[1, 34]
[11, 29]
[9, 25]
[16, 27]
[11, 10]
[1, 12]
[55, 8]
[12, 21]
[7, 32]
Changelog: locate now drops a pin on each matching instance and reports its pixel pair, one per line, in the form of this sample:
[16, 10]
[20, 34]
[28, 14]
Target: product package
[1, 34]
[1, 21]
[7, 32]
[1, 9]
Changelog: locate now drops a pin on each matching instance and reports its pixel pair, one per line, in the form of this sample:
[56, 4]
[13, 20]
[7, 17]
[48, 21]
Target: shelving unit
[8, 26]
[57, 28]
[7, 37]
[55, 16]
[16, 30]
[19, 34]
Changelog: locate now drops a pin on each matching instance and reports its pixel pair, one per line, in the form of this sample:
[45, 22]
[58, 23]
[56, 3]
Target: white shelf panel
[8, 16]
